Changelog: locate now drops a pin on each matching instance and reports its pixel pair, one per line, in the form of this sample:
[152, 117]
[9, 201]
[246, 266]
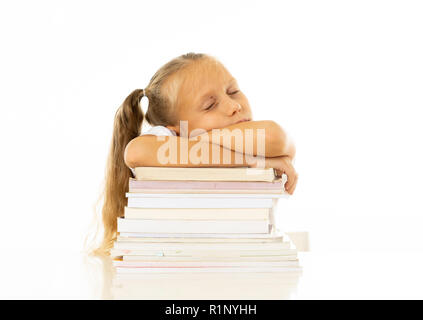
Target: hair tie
[144, 96]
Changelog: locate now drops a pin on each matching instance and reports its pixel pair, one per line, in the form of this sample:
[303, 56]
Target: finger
[292, 188]
[288, 185]
[278, 172]
[290, 173]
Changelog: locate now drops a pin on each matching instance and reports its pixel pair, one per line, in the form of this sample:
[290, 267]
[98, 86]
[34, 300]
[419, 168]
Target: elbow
[278, 142]
[128, 155]
[290, 150]
[132, 154]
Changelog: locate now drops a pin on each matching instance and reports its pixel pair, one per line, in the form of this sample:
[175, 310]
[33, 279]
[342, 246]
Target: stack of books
[202, 220]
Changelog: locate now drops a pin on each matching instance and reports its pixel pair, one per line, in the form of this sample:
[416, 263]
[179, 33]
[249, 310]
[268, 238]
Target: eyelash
[209, 107]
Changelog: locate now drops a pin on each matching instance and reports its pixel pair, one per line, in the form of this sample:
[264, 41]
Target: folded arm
[264, 138]
[150, 151]
[153, 151]
[236, 145]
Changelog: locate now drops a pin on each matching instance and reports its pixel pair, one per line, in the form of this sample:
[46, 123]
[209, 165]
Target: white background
[344, 78]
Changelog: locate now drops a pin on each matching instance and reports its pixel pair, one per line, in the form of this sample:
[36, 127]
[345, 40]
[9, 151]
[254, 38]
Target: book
[219, 191]
[200, 239]
[200, 246]
[164, 235]
[274, 257]
[205, 195]
[197, 202]
[169, 186]
[202, 220]
[203, 253]
[192, 226]
[205, 174]
[205, 269]
[197, 213]
[179, 264]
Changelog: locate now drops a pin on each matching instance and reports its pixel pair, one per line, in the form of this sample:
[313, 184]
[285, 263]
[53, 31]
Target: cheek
[242, 99]
[210, 121]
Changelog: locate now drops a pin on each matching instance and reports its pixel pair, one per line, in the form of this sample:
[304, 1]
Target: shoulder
[159, 131]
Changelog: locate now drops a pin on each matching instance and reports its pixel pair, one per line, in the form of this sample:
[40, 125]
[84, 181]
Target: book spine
[203, 253]
[209, 196]
[141, 264]
[161, 235]
[264, 258]
[197, 214]
[206, 270]
[199, 203]
[205, 174]
[206, 191]
[193, 226]
[201, 246]
[198, 240]
[211, 185]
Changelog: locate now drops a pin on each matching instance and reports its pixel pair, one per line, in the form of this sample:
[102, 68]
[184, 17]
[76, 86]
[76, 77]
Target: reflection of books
[204, 174]
[231, 285]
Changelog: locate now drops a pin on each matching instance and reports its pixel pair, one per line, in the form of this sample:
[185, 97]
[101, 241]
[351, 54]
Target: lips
[243, 120]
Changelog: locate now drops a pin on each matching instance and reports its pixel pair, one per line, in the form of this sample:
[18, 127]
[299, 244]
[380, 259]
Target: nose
[233, 108]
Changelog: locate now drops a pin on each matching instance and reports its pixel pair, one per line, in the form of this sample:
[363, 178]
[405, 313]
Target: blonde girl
[198, 91]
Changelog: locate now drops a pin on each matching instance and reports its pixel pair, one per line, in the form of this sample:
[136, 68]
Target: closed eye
[211, 106]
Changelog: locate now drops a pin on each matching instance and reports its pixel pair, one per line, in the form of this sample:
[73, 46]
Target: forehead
[200, 78]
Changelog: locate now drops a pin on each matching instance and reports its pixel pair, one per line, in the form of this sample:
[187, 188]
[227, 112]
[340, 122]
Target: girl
[188, 97]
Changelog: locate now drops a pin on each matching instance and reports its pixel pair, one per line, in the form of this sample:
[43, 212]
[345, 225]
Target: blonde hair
[127, 125]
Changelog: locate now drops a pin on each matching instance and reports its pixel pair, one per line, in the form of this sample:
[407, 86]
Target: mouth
[243, 120]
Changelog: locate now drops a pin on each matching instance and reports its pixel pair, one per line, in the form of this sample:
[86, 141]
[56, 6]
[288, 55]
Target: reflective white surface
[325, 275]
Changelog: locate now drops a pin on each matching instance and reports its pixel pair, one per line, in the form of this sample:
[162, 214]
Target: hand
[284, 165]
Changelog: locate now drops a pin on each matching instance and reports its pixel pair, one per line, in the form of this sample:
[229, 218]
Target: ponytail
[127, 126]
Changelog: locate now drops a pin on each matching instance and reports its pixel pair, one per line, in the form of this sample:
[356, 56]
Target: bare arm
[150, 151]
[254, 137]
[147, 151]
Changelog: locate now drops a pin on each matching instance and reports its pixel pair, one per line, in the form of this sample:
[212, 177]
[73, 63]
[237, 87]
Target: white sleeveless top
[157, 131]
